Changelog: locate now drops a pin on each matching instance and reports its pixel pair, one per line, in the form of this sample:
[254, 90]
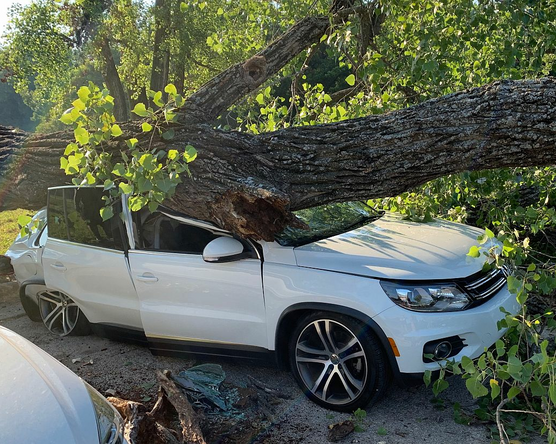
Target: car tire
[61, 315]
[338, 362]
[29, 304]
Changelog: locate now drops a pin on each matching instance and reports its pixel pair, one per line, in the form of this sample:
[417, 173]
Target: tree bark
[250, 184]
[114, 83]
[161, 54]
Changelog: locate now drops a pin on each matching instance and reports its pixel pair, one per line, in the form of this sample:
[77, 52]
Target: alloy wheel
[59, 313]
[331, 361]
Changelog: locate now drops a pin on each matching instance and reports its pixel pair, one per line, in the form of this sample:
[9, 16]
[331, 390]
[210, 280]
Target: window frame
[120, 225]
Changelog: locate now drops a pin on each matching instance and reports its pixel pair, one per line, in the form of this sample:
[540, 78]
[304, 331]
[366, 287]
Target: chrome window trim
[77, 244]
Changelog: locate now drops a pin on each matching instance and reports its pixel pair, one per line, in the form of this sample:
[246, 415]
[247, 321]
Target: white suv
[353, 300]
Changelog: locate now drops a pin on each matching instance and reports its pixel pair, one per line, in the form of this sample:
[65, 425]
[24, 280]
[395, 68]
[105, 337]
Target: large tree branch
[223, 90]
[250, 184]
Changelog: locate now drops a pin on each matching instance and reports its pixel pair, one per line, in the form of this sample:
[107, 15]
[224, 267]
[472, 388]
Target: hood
[397, 249]
[41, 401]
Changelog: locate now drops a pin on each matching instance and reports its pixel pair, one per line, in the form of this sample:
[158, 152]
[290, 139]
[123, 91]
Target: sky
[4, 6]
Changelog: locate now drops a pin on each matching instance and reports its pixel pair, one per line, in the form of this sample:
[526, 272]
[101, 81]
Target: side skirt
[186, 348]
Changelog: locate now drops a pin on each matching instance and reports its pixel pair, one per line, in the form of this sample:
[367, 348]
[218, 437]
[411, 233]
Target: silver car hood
[41, 401]
[396, 249]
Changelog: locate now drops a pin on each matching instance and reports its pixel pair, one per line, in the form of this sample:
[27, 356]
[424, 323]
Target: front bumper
[412, 330]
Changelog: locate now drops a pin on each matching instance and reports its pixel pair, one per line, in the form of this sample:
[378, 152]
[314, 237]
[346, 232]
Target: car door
[187, 303]
[84, 257]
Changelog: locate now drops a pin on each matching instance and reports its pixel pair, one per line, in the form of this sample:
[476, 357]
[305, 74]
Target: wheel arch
[291, 315]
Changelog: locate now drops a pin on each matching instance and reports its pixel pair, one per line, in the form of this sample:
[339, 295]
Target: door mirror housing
[223, 249]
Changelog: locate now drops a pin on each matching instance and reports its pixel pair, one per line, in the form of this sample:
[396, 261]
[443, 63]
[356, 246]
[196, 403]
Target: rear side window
[74, 215]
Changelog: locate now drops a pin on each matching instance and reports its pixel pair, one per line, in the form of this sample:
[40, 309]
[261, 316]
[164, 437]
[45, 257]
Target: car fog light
[442, 350]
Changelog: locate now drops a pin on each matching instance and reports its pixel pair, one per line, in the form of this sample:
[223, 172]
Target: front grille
[486, 284]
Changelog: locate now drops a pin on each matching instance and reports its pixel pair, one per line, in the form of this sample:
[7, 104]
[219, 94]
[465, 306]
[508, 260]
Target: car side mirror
[223, 249]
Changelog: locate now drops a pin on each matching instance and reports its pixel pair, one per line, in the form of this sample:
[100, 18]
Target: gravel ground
[403, 416]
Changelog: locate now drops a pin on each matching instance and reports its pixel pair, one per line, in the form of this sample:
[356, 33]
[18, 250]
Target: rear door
[187, 303]
[84, 257]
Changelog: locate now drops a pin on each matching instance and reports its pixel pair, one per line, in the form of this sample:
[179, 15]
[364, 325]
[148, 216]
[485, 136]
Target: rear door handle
[58, 266]
[147, 277]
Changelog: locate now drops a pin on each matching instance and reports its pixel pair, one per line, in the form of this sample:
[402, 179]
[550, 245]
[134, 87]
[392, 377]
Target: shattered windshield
[327, 221]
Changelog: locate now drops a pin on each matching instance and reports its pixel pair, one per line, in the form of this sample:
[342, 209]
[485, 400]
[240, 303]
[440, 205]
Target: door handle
[58, 267]
[147, 277]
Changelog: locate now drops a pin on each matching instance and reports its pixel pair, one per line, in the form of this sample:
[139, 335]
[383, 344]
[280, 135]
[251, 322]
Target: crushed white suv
[357, 298]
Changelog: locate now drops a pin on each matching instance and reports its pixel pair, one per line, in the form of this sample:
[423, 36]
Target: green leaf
[190, 153]
[23, 220]
[106, 213]
[118, 170]
[513, 392]
[81, 135]
[131, 143]
[350, 80]
[439, 386]
[157, 99]
[126, 188]
[116, 130]
[167, 135]
[171, 89]
[474, 251]
[183, 6]
[63, 164]
[220, 11]
[146, 127]
[71, 148]
[67, 118]
[108, 184]
[552, 393]
[153, 206]
[78, 104]
[260, 99]
[476, 388]
[83, 93]
[140, 110]
[172, 154]
[427, 377]
[90, 179]
[489, 233]
[537, 389]
[494, 388]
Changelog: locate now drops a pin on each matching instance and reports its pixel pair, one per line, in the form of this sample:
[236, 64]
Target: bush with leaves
[145, 174]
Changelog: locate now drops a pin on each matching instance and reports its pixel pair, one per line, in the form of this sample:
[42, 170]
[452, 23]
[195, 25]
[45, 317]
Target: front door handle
[147, 277]
[58, 266]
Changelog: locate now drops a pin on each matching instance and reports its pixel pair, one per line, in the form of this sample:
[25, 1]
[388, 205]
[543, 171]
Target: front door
[187, 303]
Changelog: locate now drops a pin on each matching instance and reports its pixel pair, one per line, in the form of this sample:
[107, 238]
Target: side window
[160, 232]
[74, 215]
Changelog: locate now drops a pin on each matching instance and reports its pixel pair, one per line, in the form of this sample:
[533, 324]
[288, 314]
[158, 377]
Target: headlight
[422, 297]
[109, 421]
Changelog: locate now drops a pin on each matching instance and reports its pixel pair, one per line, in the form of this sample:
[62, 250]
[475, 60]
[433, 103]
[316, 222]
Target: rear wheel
[337, 362]
[61, 315]
[29, 301]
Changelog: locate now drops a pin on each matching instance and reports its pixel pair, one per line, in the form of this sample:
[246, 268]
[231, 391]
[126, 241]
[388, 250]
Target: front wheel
[338, 362]
[61, 315]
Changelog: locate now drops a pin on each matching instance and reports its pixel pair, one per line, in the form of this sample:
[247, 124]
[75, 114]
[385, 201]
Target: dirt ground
[403, 416]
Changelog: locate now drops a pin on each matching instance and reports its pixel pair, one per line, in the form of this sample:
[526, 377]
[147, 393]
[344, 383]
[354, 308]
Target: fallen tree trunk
[250, 184]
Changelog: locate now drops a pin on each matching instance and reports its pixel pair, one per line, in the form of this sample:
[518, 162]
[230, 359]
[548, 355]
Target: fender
[374, 327]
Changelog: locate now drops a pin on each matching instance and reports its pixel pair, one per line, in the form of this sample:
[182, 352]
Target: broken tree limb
[250, 184]
[190, 429]
[225, 89]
